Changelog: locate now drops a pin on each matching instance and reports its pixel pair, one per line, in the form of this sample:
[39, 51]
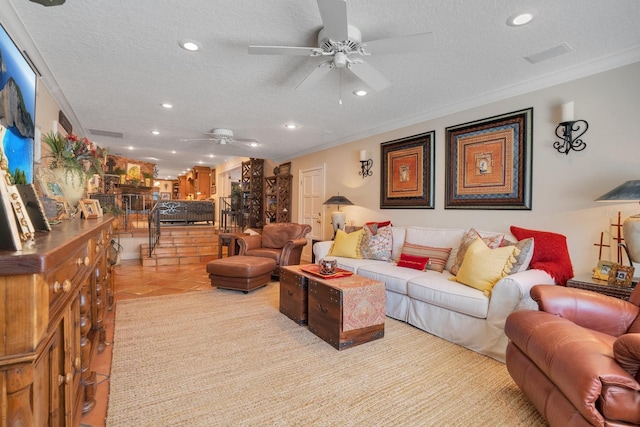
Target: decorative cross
[601, 245]
[110, 164]
[619, 239]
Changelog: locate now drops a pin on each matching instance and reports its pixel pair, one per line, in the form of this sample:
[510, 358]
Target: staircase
[182, 245]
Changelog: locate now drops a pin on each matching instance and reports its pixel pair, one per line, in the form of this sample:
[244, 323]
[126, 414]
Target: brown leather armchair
[282, 241]
[577, 358]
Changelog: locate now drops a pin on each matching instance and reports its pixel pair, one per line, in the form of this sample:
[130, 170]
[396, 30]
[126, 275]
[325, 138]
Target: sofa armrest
[321, 249]
[246, 243]
[511, 293]
[291, 252]
[591, 310]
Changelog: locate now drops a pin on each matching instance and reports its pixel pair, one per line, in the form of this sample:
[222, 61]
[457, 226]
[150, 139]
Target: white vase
[73, 183]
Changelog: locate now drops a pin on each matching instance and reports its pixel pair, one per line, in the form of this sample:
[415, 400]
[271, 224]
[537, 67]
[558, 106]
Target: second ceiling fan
[343, 42]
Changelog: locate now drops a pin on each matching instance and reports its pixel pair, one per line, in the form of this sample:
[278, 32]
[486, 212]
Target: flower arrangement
[72, 152]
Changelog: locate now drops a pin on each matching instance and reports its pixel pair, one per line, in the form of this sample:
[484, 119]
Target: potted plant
[73, 160]
[122, 173]
[148, 177]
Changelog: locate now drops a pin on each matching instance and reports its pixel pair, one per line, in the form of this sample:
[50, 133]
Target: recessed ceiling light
[173, 151]
[190, 45]
[155, 132]
[253, 144]
[130, 148]
[211, 155]
[167, 105]
[360, 92]
[291, 126]
[521, 18]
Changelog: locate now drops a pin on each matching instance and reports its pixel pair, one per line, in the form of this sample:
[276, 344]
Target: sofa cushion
[377, 245]
[436, 289]
[550, 253]
[483, 267]
[437, 256]
[395, 278]
[398, 235]
[347, 245]
[492, 241]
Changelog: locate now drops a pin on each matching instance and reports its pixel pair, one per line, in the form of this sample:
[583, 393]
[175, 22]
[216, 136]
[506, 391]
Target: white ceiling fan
[342, 42]
[223, 137]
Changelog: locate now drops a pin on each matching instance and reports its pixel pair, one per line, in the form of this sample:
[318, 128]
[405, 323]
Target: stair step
[182, 245]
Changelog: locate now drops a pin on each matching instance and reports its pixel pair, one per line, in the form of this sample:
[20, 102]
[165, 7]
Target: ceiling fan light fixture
[521, 18]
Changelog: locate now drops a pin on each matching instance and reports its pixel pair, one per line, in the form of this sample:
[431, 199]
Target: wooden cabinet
[55, 293]
[202, 182]
[252, 193]
[277, 198]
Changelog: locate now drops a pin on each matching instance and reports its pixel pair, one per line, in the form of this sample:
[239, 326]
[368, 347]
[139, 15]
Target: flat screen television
[17, 107]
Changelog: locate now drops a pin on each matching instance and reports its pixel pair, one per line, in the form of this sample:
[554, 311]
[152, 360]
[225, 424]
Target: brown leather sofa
[281, 241]
[577, 358]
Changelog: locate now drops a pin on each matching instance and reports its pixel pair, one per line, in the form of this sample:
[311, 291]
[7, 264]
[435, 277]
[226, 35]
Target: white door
[311, 212]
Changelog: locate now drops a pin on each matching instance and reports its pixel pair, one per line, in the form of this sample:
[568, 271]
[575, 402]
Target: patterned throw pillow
[523, 260]
[468, 238]
[437, 256]
[377, 246]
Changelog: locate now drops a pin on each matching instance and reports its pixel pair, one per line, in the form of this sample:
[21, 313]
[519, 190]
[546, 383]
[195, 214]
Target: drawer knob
[77, 363]
[87, 261]
[79, 262]
[65, 379]
[65, 286]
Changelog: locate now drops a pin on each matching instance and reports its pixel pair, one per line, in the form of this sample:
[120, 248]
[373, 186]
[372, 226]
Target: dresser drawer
[67, 274]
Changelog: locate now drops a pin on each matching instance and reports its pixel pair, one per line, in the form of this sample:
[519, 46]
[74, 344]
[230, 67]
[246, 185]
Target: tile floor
[134, 281]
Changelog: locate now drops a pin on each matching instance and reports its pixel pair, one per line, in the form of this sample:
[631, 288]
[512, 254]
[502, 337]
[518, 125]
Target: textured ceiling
[111, 63]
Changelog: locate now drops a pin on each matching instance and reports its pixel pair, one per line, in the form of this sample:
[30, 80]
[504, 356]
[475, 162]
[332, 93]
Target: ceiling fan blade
[334, 18]
[281, 50]
[369, 75]
[197, 139]
[417, 43]
[315, 76]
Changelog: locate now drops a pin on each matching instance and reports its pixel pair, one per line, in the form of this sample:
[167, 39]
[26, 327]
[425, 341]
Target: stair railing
[154, 228]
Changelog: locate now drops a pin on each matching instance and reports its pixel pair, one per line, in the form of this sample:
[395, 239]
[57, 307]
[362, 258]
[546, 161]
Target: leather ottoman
[242, 273]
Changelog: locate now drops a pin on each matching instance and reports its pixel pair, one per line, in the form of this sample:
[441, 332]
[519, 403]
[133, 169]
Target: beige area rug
[224, 358]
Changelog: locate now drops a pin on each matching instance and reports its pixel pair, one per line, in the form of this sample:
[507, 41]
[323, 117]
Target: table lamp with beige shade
[338, 218]
[627, 193]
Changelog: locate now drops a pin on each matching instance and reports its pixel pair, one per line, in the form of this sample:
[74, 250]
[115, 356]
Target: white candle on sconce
[568, 112]
[363, 155]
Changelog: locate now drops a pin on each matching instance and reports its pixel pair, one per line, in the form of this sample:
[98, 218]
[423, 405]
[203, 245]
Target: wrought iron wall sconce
[365, 165]
[570, 131]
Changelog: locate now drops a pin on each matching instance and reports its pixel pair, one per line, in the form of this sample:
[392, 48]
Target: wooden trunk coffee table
[343, 311]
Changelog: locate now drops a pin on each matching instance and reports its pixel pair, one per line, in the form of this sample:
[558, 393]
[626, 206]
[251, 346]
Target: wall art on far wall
[408, 172]
[489, 163]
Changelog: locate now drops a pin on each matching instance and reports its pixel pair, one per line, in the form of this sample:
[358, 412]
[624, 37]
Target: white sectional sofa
[448, 309]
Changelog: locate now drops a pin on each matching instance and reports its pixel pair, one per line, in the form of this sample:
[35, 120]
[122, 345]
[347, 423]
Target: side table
[586, 281]
[228, 240]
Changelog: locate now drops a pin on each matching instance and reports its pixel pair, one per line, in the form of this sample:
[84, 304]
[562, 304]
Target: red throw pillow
[550, 253]
[413, 261]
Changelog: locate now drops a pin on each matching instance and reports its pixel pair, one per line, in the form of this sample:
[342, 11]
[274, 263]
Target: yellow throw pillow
[483, 267]
[347, 245]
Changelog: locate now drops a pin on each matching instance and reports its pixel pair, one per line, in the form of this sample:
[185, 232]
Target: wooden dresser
[53, 296]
